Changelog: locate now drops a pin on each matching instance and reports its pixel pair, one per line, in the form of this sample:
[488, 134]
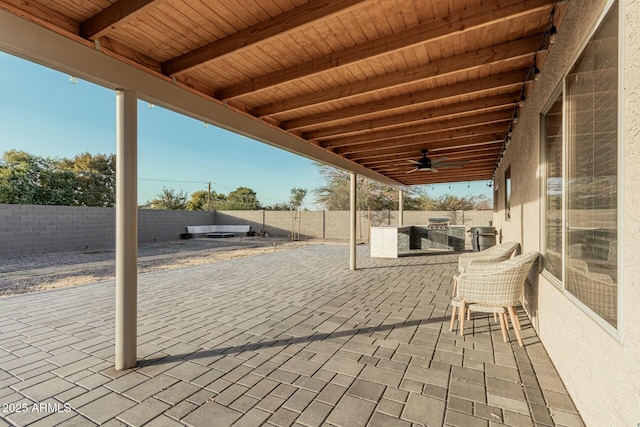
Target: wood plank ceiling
[373, 81]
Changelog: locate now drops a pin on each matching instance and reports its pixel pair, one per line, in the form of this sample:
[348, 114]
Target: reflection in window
[507, 194]
[592, 171]
[552, 146]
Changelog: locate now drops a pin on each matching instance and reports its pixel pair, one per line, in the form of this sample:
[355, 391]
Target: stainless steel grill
[438, 230]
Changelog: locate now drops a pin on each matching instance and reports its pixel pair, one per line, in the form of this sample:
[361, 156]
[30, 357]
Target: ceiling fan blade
[439, 160]
[445, 166]
[432, 169]
[413, 162]
[459, 162]
[413, 170]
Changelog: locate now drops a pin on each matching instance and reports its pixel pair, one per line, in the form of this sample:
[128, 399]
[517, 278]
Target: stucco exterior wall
[600, 370]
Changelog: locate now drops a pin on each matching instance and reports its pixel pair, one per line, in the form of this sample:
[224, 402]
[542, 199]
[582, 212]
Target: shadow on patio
[291, 338]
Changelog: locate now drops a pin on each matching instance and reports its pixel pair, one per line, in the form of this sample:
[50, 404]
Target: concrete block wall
[33, 229]
[30, 229]
[165, 225]
[312, 224]
[306, 223]
[255, 219]
[335, 224]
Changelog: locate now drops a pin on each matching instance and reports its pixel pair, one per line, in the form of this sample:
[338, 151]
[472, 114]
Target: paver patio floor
[289, 338]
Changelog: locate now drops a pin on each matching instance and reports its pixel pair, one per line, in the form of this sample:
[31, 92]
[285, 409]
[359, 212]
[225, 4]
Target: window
[580, 188]
[553, 188]
[507, 194]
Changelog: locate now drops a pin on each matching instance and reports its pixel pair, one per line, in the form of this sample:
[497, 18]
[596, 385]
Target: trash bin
[474, 239]
[482, 238]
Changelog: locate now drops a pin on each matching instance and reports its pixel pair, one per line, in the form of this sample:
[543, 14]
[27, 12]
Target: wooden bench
[216, 231]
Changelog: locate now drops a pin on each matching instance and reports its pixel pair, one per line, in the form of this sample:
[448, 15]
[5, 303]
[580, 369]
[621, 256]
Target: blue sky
[44, 113]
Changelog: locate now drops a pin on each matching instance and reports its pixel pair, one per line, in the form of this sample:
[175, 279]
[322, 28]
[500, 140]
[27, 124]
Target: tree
[95, 178]
[449, 202]
[414, 200]
[335, 193]
[85, 180]
[169, 199]
[198, 201]
[35, 180]
[282, 206]
[297, 197]
[19, 177]
[242, 198]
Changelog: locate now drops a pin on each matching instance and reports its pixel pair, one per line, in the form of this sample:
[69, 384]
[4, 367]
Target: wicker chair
[553, 263]
[497, 253]
[494, 288]
[597, 291]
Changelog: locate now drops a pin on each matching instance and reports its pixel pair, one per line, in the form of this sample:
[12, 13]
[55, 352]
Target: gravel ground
[32, 273]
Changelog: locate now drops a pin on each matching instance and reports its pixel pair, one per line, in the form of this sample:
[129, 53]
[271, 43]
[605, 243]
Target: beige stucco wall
[600, 370]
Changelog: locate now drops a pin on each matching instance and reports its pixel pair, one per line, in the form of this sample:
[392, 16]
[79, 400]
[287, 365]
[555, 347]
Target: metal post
[126, 229]
[209, 198]
[400, 207]
[352, 222]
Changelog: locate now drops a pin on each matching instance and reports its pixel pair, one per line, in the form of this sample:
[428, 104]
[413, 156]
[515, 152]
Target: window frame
[616, 332]
[508, 190]
[559, 283]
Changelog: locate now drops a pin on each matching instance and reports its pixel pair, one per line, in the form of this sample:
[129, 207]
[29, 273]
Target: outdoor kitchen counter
[386, 241]
[392, 241]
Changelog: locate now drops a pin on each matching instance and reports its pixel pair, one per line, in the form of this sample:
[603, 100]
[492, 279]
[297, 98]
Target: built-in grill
[438, 230]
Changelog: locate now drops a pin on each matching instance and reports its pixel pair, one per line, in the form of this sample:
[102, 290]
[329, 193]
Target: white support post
[352, 223]
[400, 207]
[126, 229]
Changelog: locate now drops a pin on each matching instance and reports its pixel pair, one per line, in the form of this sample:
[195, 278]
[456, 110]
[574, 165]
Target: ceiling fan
[426, 163]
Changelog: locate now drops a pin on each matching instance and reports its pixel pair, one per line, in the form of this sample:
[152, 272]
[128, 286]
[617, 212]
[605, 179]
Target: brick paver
[290, 338]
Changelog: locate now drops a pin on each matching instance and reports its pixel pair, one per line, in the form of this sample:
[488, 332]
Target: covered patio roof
[363, 85]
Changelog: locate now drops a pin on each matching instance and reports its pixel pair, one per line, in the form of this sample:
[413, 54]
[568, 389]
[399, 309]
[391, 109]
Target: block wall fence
[33, 229]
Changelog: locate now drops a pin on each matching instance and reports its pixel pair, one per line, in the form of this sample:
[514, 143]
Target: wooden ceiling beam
[422, 128]
[118, 13]
[459, 174]
[469, 143]
[41, 15]
[511, 79]
[442, 177]
[450, 157]
[453, 136]
[469, 19]
[478, 163]
[438, 178]
[110, 47]
[478, 105]
[276, 26]
[59, 23]
[491, 55]
[415, 155]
